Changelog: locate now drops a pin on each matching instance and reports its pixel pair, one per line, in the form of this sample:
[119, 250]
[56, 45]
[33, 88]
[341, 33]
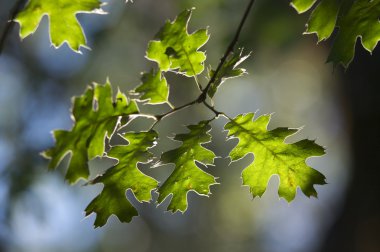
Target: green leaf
[227, 71]
[187, 176]
[362, 20]
[154, 87]
[323, 19]
[96, 116]
[122, 177]
[175, 49]
[355, 19]
[273, 156]
[302, 5]
[64, 26]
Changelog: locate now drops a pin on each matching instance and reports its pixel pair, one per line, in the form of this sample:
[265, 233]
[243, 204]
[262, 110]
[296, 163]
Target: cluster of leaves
[98, 116]
[354, 18]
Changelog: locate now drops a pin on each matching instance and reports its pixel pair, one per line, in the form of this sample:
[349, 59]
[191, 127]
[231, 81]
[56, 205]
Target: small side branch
[203, 96]
[162, 116]
[230, 49]
[217, 113]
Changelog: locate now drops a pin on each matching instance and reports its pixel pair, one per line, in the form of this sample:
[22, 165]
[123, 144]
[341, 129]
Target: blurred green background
[287, 75]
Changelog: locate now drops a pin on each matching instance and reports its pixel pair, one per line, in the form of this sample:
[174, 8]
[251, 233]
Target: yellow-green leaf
[175, 49]
[122, 177]
[274, 157]
[96, 115]
[187, 176]
[302, 5]
[154, 87]
[323, 19]
[64, 26]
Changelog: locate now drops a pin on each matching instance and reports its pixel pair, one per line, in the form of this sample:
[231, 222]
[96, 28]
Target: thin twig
[8, 27]
[203, 96]
[230, 49]
[217, 113]
[162, 116]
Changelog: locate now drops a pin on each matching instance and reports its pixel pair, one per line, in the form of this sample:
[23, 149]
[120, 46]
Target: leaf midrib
[265, 146]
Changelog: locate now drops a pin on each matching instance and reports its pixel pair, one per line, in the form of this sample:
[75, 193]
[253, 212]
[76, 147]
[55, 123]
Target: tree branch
[217, 113]
[230, 49]
[203, 96]
[8, 27]
[162, 116]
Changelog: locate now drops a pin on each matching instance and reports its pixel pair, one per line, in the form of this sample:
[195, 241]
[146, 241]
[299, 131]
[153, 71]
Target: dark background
[288, 76]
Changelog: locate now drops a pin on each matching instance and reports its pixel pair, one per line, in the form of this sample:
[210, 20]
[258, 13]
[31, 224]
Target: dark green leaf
[362, 20]
[355, 19]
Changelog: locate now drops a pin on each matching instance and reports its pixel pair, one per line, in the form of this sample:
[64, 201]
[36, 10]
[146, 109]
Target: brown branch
[162, 116]
[230, 49]
[203, 96]
[8, 27]
[217, 113]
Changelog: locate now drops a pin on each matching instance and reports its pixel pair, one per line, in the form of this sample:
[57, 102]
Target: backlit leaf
[302, 5]
[154, 87]
[362, 20]
[273, 156]
[64, 26]
[187, 176]
[122, 177]
[354, 20]
[323, 19]
[96, 116]
[175, 49]
[227, 71]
